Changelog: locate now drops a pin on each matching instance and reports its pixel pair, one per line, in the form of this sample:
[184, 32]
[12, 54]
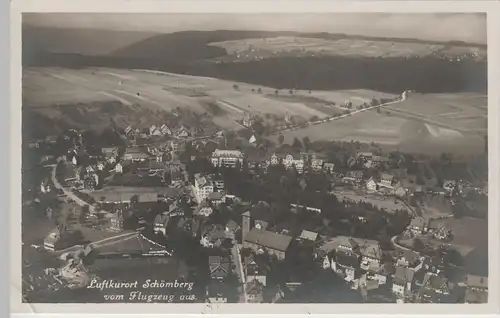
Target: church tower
[245, 225]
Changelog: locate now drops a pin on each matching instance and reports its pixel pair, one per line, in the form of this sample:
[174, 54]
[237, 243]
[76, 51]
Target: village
[268, 217]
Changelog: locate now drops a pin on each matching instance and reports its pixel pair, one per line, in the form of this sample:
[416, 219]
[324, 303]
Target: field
[95, 96]
[454, 114]
[471, 237]
[431, 123]
[343, 47]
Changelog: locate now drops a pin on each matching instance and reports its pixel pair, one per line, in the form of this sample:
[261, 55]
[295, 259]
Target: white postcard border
[196, 6]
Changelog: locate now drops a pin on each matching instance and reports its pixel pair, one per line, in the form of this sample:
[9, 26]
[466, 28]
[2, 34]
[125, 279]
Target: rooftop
[309, 235]
[227, 153]
[268, 239]
[403, 275]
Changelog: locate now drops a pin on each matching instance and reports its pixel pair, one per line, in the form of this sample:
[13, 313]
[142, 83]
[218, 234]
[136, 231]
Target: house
[408, 259]
[399, 191]
[418, 226]
[218, 266]
[154, 131]
[118, 168]
[371, 185]
[216, 292]
[213, 236]
[317, 164]
[219, 184]
[255, 270]
[254, 290]
[353, 176]
[129, 130]
[449, 185]
[116, 221]
[226, 158]
[125, 197]
[51, 241]
[160, 223]
[177, 145]
[477, 290]
[231, 228]
[248, 120]
[156, 168]
[403, 281]
[110, 152]
[435, 289]
[204, 210]
[290, 161]
[135, 154]
[386, 180]
[274, 243]
[203, 186]
[183, 132]
[328, 167]
[165, 130]
[347, 245]
[371, 255]
[346, 264]
[385, 271]
[327, 261]
[309, 236]
[215, 198]
[379, 160]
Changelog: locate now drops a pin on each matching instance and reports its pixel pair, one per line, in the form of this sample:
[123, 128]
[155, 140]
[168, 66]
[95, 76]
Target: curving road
[67, 191]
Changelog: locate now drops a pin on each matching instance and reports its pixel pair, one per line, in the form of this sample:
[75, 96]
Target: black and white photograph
[274, 158]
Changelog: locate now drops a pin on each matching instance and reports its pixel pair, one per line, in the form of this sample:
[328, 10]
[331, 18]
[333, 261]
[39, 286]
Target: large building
[203, 186]
[226, 158]
[273, 243]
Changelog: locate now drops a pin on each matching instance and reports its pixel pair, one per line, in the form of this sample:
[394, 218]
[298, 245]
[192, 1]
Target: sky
[468, 27]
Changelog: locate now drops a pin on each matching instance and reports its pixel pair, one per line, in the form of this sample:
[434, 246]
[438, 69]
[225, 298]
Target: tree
[306, 142]
[281, 139]
[276, 92]
[236, 87]
[259, 90]
[291, 91]
[296, 143]
[417, 245]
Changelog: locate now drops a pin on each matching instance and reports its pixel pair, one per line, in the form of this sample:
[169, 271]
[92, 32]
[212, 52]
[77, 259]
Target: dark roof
[215, 196]
[435, 282]
[219, 266]
[216, 289]
[232, 225]
[268, 239]
[347, 260]
[403, 275]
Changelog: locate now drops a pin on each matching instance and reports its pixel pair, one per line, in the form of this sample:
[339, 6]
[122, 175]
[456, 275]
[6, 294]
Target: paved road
[236, 257]
[67, 191]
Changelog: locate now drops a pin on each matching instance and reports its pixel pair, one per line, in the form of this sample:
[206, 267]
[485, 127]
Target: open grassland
[97, 96]
[264, 47]
[431, 123]
[463, 113]
[470, 236]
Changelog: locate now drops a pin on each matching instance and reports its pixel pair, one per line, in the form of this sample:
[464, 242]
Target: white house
[371, 185]
[119, 168]
[403, 280]
[203, 186]
[226, 158]
[386, 180]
